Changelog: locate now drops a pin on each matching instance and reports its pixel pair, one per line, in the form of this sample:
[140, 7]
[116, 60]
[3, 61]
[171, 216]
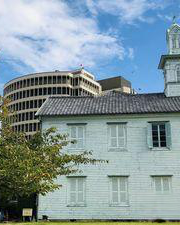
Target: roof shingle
[111, 103]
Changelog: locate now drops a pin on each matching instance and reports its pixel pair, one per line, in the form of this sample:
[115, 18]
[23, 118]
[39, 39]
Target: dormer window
[178, 73]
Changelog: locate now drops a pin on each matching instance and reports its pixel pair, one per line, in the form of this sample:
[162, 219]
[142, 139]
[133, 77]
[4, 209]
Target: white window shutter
[168, 135]
[80, 143]
[73, 133]
[123, 190]
[115, 197]
[166, 184]
[121, 136]
[72, 191]
[112, 136]
[149, 135]
[158, 184]
[80, 190]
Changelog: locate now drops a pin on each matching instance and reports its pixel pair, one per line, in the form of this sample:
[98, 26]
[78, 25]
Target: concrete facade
[27, 94]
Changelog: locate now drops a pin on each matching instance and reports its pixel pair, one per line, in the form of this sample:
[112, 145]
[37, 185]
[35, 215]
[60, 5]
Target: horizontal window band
[76, 124]
[114, 123]
[118, 175]
[157, 122]
[76, 176]
[167, 175]
[173, 82]
[69, 205]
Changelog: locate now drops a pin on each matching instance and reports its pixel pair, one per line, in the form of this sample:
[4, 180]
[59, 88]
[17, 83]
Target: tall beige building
[27, 93]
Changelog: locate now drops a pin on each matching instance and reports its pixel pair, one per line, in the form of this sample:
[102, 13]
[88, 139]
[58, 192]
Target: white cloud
[43, 35]
[128, 11]
[131, 53]
[47, 35]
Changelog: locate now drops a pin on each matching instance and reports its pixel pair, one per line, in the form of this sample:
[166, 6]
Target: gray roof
[110, 104]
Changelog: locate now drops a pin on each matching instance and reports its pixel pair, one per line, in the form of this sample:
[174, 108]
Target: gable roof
[109, 104]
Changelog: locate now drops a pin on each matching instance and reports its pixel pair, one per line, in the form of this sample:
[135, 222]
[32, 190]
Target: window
[178, 73]
[159, 135]
[179, 41]
[117, 136]
[77, 134]
[76, 191]
[118, 191]
[162, 184]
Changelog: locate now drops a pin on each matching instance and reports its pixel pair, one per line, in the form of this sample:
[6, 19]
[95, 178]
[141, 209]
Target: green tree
[32, 166]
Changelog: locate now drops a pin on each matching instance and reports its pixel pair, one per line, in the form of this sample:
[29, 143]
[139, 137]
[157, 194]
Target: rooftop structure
[118, 83]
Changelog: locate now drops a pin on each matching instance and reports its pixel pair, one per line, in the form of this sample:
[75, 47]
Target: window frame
[159, 136]
[119, 203]
[109, 137]
[167, 135]
[162, 177]
[83, 139]
[76, 203]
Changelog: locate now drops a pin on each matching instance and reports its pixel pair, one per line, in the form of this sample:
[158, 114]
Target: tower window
[179, 41]
[178, 73]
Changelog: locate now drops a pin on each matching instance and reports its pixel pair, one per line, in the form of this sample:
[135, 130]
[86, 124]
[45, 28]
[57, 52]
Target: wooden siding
[138, 162]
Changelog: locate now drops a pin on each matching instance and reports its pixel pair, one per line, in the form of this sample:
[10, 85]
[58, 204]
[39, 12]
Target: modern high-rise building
[27, 93]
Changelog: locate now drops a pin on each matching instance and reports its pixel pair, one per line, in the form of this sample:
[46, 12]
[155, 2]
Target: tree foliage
[32, 166]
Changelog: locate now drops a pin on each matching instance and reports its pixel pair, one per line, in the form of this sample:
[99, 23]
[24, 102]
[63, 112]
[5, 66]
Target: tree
[32, 166]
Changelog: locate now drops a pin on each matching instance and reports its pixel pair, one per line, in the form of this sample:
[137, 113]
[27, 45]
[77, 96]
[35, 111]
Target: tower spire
[174, 19]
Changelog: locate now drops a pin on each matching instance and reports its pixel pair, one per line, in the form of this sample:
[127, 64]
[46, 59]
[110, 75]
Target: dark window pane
[154, 127]
[163, 132]
[163, 144]
[155, 144]
[155, 138]
[162, 126]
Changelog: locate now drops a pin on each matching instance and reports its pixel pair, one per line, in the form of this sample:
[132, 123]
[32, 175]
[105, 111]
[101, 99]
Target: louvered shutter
[73, 133]
[121, 136]
[114, 191]
[80, 133]
[168, 135]
[113, 136]
[80, 190]
[166, 184]
[158, 184]
[123, 190]
[149, 135]
[73, 187]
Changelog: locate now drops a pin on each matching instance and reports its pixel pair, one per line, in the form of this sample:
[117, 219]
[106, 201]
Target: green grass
[95, 223]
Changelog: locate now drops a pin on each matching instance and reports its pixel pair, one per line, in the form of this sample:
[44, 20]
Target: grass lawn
[95, 223]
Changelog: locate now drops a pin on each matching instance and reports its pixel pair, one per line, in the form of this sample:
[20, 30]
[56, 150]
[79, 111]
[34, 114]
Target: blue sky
[109, 37]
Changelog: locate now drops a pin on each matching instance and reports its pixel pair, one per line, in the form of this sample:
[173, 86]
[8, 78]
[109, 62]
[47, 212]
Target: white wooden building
[139, 135]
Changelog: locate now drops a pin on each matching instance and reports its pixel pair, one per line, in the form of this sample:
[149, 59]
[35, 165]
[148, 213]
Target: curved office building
[27, 93]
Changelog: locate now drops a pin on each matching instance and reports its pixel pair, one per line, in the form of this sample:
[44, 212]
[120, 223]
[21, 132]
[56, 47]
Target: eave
[165, 57]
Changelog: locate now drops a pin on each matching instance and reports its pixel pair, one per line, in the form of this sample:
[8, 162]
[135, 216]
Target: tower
[170, 63]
